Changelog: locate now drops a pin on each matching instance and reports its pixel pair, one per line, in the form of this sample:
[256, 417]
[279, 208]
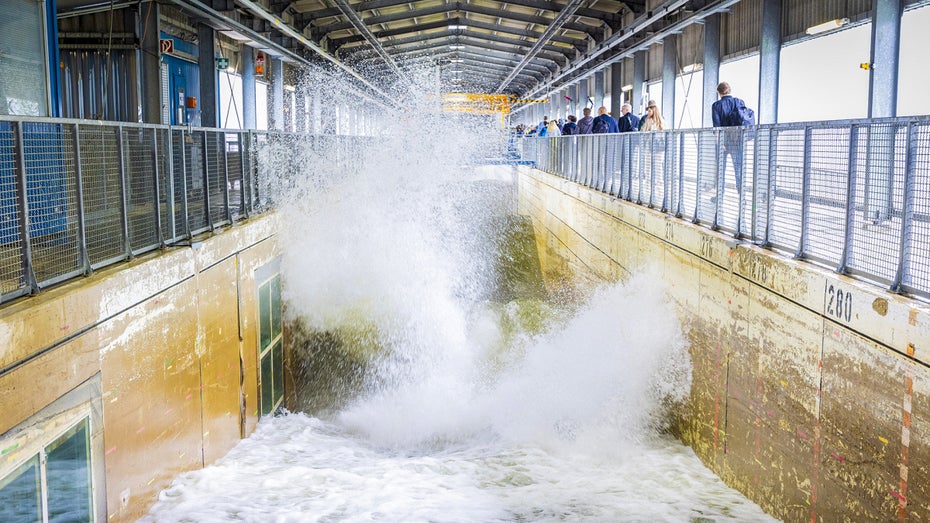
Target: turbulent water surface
[434, 386]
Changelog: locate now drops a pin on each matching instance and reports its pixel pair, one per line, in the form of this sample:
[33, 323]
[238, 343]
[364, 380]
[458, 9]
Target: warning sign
[166, 45]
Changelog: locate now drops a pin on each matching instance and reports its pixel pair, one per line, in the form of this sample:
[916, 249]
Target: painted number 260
[839, 303]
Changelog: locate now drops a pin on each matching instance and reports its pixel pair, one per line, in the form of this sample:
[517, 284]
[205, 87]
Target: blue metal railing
[851, 195]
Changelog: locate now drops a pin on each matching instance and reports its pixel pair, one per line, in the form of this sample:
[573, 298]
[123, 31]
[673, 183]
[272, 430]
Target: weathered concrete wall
[811, 390]
[170, 337]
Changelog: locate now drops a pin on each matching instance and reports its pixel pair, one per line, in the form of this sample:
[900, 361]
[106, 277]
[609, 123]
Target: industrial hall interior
[476, 260]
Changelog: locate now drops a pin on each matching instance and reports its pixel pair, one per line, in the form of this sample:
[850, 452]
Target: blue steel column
[769, 61]
[575, 107]
[711, 66]
[639, 82]
[553, 106]
[149, 62]
[276, 118]
[582, 94]
[669, 70]
[249, 119]
[886, 44]
[208, 74]
[598, 89]
[616, 88]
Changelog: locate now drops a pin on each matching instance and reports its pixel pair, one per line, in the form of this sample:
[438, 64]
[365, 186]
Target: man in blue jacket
[604, 123]
[725, 112]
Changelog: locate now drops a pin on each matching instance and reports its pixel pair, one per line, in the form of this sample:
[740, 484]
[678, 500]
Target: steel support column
[598, 89]
[669, 70]
[616, 88]
[276, 116]
[711, 66]
[208, 82]
[249, 120]
[886, 44]
[638, 96]
[769, 61]
[150, 62]
[583, 93]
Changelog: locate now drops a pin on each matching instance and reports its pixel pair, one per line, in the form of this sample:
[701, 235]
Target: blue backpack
[600, 126]
[743, 115]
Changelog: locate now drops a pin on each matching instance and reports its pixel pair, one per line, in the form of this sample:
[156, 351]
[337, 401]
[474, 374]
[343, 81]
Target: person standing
[586, 122]
[653, 119]
[628, 122]
[570, 126]
[604, 123]
[553, 129]
[730, 111]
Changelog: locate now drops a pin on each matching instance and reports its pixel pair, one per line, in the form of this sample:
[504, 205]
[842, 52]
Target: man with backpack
[604, 123]
[730, 111]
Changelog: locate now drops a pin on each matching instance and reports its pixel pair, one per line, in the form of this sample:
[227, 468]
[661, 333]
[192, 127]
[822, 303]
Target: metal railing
[850, 195]
[79, 195]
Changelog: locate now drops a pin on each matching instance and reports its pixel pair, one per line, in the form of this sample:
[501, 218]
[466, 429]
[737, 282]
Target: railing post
[907, 214]
[29, 274]
[226, 178]
[159, 233]
[848, 235]
[124, 188]
[243, 169]
[681, 174]
[652, 169]
[772, 176]
[184, 207]
[206, 179]
[740, 187]
[79, 182]
[698, 177]
[805, 193]
[719, 181]
[169, 198]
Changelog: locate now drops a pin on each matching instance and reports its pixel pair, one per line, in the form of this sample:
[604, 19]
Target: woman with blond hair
[553, 129]
[653, 119]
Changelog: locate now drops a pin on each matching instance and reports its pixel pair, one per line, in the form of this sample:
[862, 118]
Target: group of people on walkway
[727, 111]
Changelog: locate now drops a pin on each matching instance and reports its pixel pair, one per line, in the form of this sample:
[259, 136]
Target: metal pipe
[124, 190]
[29, 275]
[79, 182]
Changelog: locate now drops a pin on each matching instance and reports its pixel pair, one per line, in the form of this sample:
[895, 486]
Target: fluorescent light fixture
[453, 47]
[453, 27]
[456, 61]
[827, 26]
[690, 68]
[626, 88]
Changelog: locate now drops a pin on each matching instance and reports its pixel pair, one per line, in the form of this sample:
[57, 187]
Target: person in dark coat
[725, 112]
[570, 126]
[628, 122]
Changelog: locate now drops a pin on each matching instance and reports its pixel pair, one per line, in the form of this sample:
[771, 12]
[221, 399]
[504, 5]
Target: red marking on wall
[837, 457]
[189, 396]
[111, 451]
[64, 328]
[899, 496]
[802, 433]
[140, 429]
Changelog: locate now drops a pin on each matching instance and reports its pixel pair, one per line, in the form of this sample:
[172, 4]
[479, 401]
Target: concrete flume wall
[811, 390]
[157, 347]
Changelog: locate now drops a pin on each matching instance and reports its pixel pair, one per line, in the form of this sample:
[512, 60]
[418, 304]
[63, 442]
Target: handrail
[79, 195]
[852, 195]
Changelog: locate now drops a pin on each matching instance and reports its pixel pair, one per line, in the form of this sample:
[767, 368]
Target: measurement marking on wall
[839, 303]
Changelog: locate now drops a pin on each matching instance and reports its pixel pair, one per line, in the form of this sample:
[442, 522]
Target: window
[55, 480]
[913, 73]
[271, 351]
[23, 65]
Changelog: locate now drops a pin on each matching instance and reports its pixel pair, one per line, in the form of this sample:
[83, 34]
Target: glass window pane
[19, 494]
[266, 377]
[264, 308]
[68, 475]
[275, 307]
[278, 364]
[24, 90]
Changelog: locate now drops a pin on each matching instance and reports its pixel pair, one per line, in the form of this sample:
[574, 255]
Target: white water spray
[561, 423]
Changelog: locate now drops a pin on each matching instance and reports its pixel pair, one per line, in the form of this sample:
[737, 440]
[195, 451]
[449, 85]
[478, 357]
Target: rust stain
[880, 305]
[912, 317]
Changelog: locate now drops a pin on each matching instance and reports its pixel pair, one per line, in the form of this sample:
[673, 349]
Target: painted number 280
[839, 303]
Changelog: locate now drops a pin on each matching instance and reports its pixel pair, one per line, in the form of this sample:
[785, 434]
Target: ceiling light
[456, 47]
[827, 26]
[626, 88]
[690, 68]
[453, 27]
[456, 61]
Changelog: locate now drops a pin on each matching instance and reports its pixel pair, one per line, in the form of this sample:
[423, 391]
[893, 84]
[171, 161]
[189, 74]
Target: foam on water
[560, 424]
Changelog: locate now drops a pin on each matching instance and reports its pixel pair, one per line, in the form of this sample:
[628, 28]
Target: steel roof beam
[548, 34]
[579, 45]
[360, 26]
[443, 41]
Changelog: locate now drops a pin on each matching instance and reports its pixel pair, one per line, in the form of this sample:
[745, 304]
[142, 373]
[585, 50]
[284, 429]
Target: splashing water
[466, 411]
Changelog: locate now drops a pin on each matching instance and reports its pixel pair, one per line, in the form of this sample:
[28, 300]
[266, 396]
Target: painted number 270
[839, 303]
